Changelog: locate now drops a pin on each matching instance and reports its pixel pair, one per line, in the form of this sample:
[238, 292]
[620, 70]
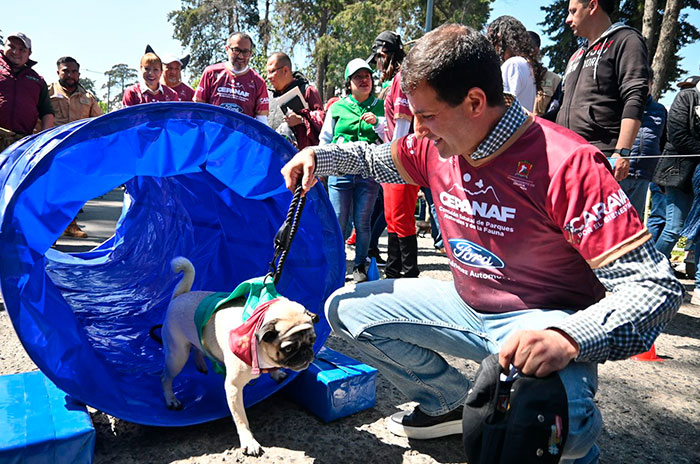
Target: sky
[100, 34]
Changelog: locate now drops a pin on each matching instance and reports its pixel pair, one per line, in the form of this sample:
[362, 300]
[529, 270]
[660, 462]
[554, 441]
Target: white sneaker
[695, 300]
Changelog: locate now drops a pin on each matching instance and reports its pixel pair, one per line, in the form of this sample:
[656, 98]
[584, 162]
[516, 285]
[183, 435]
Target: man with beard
[71, 102]
[307, 123]
[24, 98]
[172, 76]
[232, 84]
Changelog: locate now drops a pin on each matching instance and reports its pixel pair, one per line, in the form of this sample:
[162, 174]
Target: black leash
[286, 233]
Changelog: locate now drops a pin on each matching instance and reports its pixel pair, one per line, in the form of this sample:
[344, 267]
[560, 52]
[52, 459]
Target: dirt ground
[651, 412]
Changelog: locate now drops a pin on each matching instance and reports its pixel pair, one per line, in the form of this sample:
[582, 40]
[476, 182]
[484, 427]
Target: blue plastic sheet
[201, 182]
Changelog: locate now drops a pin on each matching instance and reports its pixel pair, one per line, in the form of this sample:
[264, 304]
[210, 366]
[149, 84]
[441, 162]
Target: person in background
[521, 71]
[306, 125]
[647, 148]
[549, 94]
[399, 199]
[24, 95]
[606, 82]
[233, 84]
[657, 214]
[675, 169]
[149, 89]
[71, 102]
[172, 76]
[352, 119]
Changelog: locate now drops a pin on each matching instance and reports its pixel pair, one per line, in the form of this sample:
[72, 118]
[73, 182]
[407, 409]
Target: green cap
[354, 66]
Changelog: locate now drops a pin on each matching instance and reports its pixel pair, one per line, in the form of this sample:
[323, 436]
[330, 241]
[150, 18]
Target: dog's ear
[313, 316]
[267, 333]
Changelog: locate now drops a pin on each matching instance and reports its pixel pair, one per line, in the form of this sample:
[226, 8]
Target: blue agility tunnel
[201, 182]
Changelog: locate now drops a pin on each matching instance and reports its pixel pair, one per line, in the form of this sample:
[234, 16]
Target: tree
[667, 39]
[88, 84]
[335, 31]
[120, 76]
[204, 25]
[644, 15]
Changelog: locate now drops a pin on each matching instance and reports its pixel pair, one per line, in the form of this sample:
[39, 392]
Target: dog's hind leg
[200, 362]
[176, 355]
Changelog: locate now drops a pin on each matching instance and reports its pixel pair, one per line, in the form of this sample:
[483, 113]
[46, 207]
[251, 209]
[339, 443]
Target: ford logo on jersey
[474, 255]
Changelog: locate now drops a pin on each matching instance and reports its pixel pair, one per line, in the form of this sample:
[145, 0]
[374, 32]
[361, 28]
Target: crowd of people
[537, 184]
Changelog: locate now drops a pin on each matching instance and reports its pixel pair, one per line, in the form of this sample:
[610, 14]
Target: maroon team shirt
[245, 93]
[395, 106]
[184, 92]
[525, 227]
[137, 94]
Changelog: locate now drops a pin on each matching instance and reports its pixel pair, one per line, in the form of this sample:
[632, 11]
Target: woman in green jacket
[354, 118]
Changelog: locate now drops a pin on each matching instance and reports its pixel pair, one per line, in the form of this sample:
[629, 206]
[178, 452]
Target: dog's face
[287, 335]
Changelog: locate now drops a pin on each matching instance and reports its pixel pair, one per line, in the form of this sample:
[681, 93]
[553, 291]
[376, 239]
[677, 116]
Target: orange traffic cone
[648, 356]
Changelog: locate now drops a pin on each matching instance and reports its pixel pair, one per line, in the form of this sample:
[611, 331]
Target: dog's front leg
[234, 396]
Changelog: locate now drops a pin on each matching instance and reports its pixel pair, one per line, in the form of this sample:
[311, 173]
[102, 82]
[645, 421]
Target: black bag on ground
[524, 420]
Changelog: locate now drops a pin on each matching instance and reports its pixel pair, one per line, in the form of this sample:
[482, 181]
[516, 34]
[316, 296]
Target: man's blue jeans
[636, 191]
[402, 325]
[657, 215]
[678, 205]
[354, 197]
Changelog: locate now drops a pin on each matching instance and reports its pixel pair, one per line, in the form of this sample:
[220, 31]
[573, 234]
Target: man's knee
[336, 309]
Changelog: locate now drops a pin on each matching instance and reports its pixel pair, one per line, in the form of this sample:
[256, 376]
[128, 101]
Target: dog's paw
[251, 447]
[174, 404]
[279, 375]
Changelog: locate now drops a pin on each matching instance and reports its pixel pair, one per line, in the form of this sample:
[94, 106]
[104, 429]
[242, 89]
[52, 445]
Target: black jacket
[683, 130]
[604, 82]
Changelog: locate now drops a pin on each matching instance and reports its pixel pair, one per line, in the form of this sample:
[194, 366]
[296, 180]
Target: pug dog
[285, 338]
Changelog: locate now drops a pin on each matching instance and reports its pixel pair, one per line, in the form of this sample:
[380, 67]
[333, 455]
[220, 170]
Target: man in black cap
[552, 268]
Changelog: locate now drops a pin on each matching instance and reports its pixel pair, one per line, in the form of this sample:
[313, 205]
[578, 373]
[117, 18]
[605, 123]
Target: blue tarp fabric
[201, 182]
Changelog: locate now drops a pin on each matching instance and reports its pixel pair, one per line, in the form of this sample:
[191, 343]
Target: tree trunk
[265, 29]
[322, 65]
[649, 29]
[665, 50]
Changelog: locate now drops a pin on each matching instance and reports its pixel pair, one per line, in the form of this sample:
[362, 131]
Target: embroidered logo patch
[474, 255]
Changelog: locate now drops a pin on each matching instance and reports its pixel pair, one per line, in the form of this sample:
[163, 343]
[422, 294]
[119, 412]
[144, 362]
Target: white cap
[23, 38]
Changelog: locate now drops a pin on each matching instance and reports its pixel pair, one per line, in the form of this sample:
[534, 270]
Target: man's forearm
[360, 158]
[628, 132]
[47, 121]
[644, 296]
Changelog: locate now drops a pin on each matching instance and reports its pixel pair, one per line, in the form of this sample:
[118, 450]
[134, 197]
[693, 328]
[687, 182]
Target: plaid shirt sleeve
[643, 296]
[365, 159]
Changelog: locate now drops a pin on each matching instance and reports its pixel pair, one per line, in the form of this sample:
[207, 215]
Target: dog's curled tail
[182, 264]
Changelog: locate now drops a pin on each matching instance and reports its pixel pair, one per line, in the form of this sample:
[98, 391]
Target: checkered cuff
[644, 296]
[360, 158]
[511, 121]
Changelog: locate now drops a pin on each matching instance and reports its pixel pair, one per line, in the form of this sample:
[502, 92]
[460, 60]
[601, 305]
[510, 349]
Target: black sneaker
[420, 426]
[359, 274]
[374, 253]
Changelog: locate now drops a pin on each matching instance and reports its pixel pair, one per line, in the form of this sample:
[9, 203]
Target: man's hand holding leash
[301, 166]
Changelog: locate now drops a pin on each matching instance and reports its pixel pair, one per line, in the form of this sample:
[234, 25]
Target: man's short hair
[453, 59]
[242, 35]
[282, 59]
[66, 59]
[535, 37]
[608, 6]
[151, 58]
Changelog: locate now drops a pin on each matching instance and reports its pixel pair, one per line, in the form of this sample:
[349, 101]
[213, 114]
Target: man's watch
[623, 152]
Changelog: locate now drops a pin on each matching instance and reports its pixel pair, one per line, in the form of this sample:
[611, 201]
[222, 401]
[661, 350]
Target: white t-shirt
[519, 80]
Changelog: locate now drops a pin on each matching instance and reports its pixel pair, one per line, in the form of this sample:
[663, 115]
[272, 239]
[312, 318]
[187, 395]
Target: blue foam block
[40, 424]
[334, 386]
